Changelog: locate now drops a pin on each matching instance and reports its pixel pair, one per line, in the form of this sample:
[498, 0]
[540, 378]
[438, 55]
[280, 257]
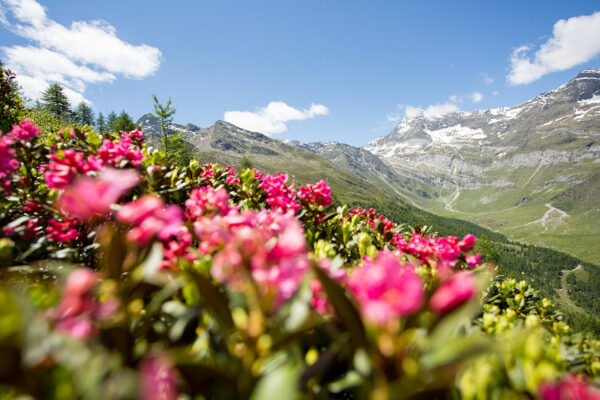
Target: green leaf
[214, 299]
[344, 308]
[281, 383]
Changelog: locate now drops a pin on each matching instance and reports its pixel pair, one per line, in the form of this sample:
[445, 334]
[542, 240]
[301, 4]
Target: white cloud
[476, 97]
[393, 117]
[272, 118]
[434, 110]
[84, 53]
[486, 79]
[574, 41]
[495, 93]
[454, 98]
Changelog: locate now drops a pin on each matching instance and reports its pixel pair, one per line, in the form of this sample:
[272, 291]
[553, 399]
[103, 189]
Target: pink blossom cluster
[8, 162]
[90, 198]
[135, 134]
[149, 217]
[386, 288]
[258, 175]
[443, 251]
[208, 171]
[206, 200]
[61, 171]
[25, 131]
[318, 194]
[231, 179]
[78, 309]
[63, 232]
[280, 195]
[372, 218]
[114, 153]
[570, 388]
[268, 245]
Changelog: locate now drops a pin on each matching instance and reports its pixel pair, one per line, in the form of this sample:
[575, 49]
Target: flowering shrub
[126, 276]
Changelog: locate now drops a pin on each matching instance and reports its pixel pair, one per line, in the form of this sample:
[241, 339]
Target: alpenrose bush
[126, 276]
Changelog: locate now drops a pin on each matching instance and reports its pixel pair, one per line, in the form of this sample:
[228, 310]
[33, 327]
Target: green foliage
[48, 123]
[487, 247]
[55, 101]
[180, 150]
[10, 101]
[164, 115]
[122, 122]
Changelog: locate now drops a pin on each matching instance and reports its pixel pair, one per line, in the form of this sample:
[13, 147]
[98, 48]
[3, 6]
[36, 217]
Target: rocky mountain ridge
[505, 168]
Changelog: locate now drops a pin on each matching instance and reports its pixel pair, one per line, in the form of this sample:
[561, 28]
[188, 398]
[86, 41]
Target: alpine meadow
[326, 200]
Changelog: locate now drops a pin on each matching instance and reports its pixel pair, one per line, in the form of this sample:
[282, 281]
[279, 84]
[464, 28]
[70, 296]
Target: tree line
[55, 101]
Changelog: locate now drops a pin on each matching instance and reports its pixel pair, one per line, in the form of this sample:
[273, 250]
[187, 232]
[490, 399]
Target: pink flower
[25, 131]
[8, 163]
[570, 388]
[149, 217]
[473, 260]
[90, 198]
[280, 196]
[453, 293]
[134, 134]
[318, 194]
[158, 379]
[77, 305]
[62, 231]
[115, 153]
[386, 289]
[208, 171]
[467, 243]
[135, 212]
[206, 200]
[32, 207]
[62, 171]
[268, 245]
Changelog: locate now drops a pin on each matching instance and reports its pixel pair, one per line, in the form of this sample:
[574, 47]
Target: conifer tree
[123, 123]
[83, 114]
[164, 115]
[110, 121]
[55, 101]
[100, 123]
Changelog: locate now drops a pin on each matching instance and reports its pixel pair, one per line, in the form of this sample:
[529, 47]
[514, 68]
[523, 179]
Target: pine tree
[83, 114]
[164, 115]
[55, 101]
[100, 123]
[110, 121]
[123, 123]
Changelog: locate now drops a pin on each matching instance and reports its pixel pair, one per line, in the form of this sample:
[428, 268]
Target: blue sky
[306, 70]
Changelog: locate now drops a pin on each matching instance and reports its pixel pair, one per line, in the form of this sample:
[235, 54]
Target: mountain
[531, 171]
[228, 144]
